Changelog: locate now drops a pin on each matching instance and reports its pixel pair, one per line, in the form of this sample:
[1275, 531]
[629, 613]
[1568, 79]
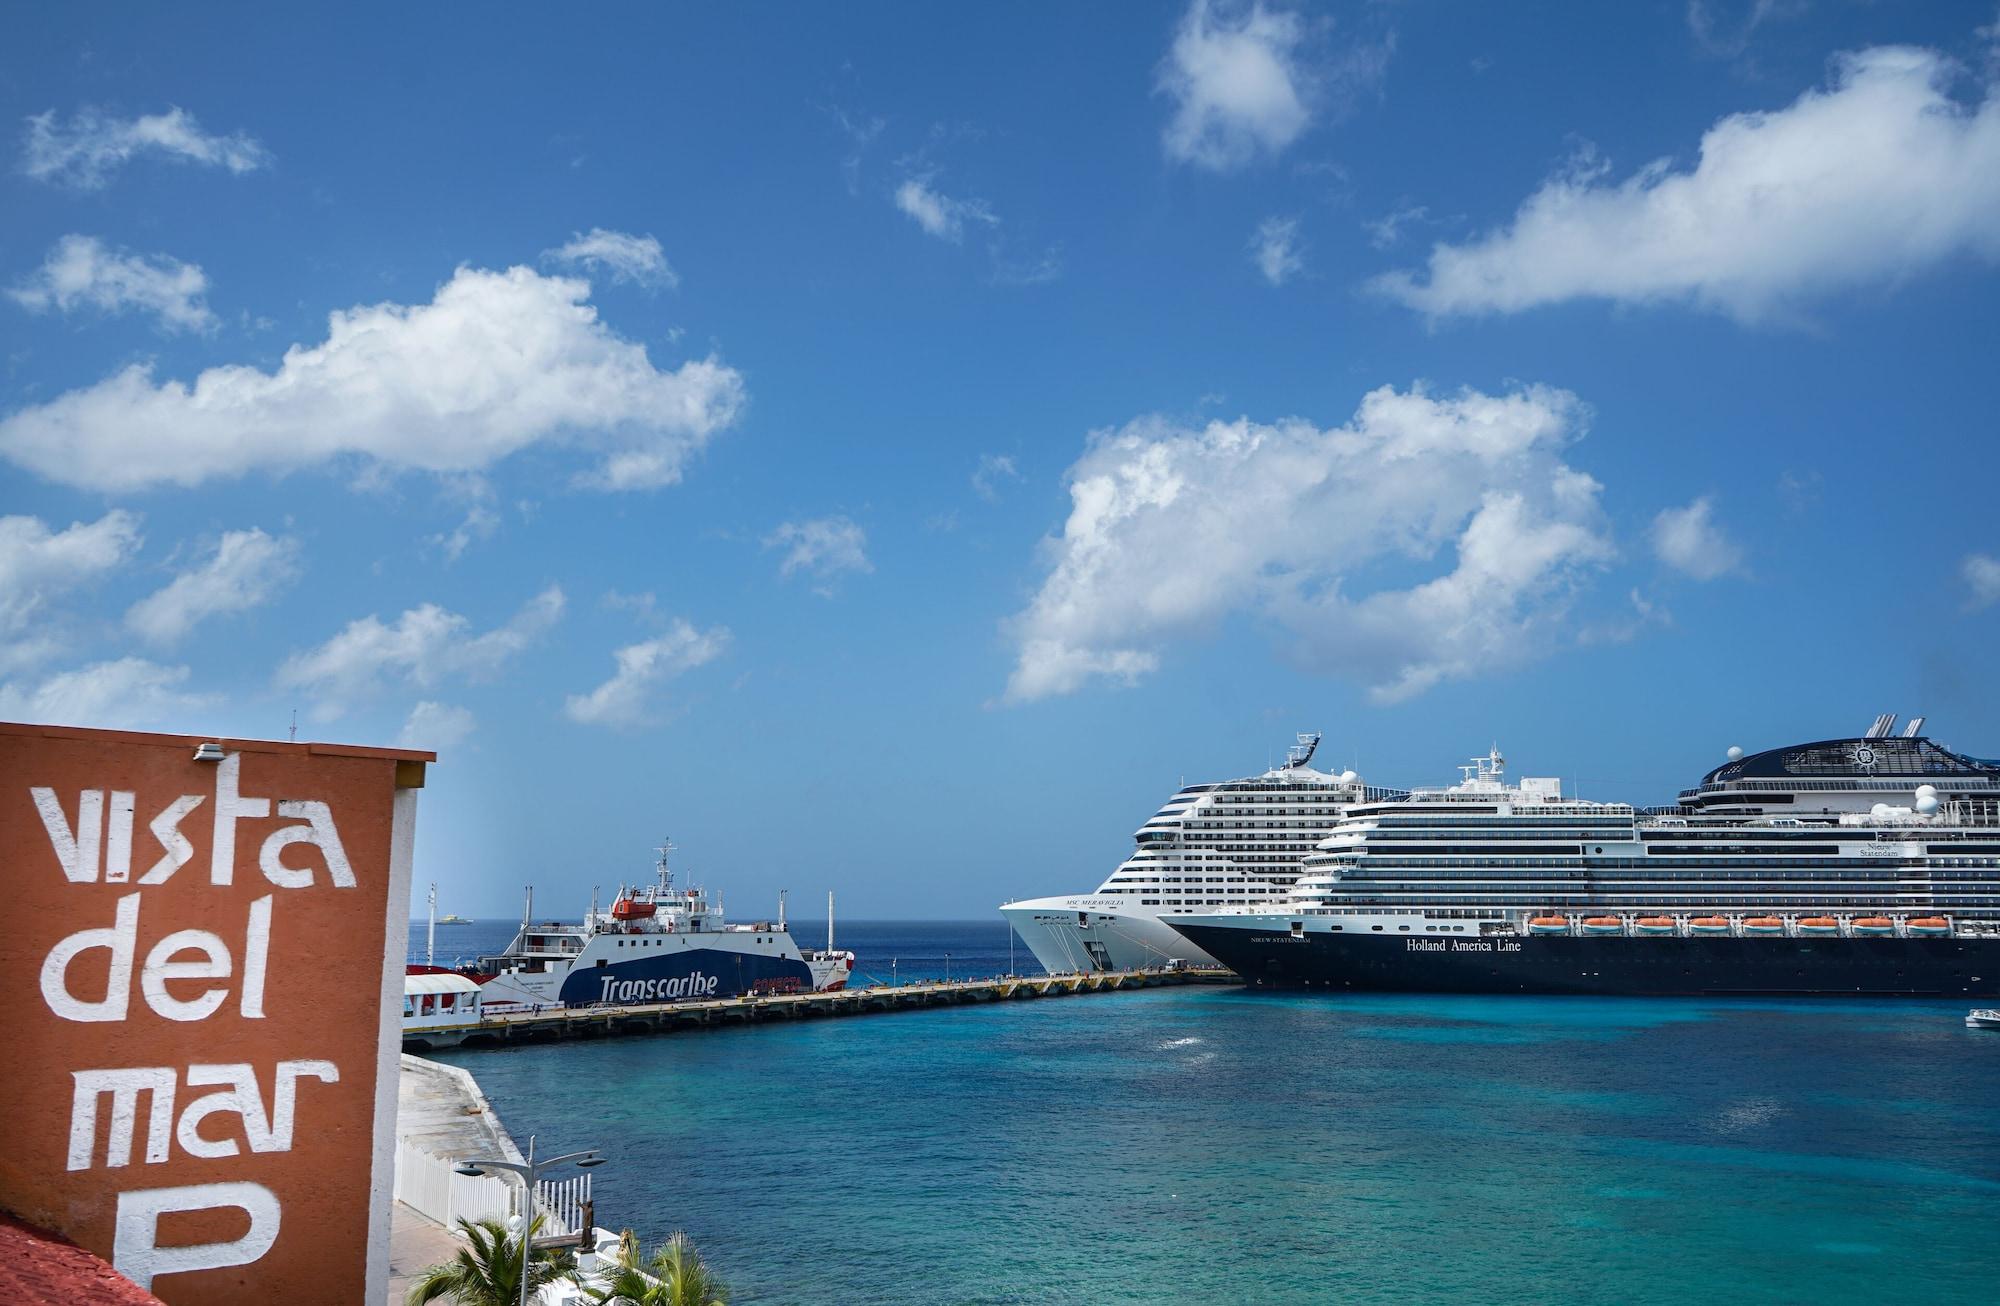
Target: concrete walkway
[415, 1244]
[440, 1109]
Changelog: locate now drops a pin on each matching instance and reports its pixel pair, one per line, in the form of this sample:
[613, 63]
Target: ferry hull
[692, 974]
[1360, 963]
[695, 973]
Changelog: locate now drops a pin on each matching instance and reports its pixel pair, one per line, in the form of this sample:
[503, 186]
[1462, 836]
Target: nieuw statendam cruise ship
[1231, 844]
[1867, 865]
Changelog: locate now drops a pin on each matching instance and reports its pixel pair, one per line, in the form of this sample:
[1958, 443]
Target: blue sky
[889, 448]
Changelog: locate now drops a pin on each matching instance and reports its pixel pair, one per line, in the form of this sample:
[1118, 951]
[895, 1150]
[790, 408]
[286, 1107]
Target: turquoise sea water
[1212, 1145]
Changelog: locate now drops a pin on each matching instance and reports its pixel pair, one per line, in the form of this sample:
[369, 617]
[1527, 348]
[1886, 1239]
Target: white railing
[428, 1184]
[561, 1203]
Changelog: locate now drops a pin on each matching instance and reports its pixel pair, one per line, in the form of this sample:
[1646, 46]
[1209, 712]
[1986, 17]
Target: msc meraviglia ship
[1230, 844]
[1866, 865]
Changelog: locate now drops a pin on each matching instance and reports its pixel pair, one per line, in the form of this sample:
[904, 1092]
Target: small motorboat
[1603, 925]
[1874, 925]
[1709, 925]
[1819, 925]
[1982, 1018]
[1763, 925]
[1654, 925]
[1929, 925]
[1548, 925]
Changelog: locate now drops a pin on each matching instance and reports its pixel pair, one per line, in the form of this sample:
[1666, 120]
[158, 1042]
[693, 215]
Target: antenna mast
[829, 920]
[666, 875]
[431, 932]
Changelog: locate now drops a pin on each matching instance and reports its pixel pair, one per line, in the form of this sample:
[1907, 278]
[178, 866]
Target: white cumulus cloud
[1238, 88]
[125, 694]
[1981, 574]
[624, 257]
[39, 567]
[496, 362]
[81, 271]
[479, 524]
[994, 470]
[939, 214]
[426, 646]
[245, 571]
[1317, 532]
[625, 699]
[824, 546]
[1875, 178]
[92, 145]
[436, 726]
[1275, 250]
[1727, 34]
[1691, 540]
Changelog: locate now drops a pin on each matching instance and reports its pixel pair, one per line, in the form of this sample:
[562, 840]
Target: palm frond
[487, 1270]
[674, 1275]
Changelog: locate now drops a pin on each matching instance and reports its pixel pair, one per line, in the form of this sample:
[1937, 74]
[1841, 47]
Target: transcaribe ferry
[656, 944]
[1865, 865]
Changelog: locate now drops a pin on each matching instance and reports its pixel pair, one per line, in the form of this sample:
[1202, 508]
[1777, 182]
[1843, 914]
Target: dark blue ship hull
[1400, 963]
[693, 973]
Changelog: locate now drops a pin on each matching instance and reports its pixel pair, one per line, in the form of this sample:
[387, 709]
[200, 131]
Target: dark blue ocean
[1211, 1145]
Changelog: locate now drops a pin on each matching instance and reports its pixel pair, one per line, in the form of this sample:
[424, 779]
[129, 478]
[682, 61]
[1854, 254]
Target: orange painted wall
[332, 952]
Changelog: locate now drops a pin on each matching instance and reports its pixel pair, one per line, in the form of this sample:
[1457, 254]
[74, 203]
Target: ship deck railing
[1790, 925]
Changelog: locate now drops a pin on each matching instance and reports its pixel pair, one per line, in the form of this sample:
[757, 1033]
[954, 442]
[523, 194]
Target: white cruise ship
[1868, 864]
[1233, 844]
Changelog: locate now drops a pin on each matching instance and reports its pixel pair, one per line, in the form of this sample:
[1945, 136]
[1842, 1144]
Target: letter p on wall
[137, 1253]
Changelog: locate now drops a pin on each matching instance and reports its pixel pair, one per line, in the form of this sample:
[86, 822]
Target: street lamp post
[530, 1174]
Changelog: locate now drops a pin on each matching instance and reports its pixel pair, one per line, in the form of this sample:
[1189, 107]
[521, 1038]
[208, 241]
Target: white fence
[561, 1203]
[427, 1183]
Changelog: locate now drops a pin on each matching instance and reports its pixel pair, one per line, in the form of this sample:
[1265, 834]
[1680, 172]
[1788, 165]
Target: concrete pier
[605, 1021]
[441, 1111]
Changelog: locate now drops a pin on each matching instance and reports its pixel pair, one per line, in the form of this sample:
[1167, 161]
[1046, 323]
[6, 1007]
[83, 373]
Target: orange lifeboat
[1603, 925]
[631, 909]
[1819, 925]
[1763, 925]
[1874, 925]
[1710, 925]
[1548, 925]
[1929, 925]
[1655, 925]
